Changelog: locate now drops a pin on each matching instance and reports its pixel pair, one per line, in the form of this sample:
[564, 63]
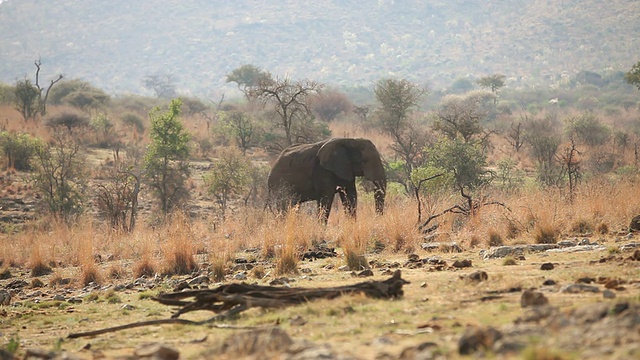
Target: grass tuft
[545, 234]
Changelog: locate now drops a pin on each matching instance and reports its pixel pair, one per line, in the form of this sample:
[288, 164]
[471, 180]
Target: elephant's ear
[333, 156]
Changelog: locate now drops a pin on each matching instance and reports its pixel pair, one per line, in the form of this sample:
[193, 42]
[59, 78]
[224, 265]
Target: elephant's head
[348, 158]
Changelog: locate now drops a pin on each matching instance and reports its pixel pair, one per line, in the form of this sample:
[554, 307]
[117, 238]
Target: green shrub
[19, 149]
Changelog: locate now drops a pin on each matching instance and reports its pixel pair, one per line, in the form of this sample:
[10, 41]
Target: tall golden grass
[531, 215]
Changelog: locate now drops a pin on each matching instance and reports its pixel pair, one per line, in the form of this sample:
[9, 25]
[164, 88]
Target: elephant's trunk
[379, 193]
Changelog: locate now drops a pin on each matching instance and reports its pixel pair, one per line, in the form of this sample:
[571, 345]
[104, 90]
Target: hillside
[115, 44]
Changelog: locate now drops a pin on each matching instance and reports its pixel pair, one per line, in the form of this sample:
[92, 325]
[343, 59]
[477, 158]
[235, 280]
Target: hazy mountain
[114, 44]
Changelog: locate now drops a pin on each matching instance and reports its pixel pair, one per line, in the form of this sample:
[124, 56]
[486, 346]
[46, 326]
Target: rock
[5, 274]
[461, 263]
[344, 268]
[533, 298]
[567, 243]
[39, 354]
[634, 225]
[608, 294]
[199, 280]
[497, 252]
[365, 273]
[424, 351]
[546, 266]
[182, 285]
[591, 313]
[475, 338]
[157, 352]
[579, 288]
[630, 246]
[477, 276]
[297, 321]
[240, 276]
[577, 248]
[128, 307]
[636, 255]
[549, 282]
[612, 284]
[281, 281]
[59, 297]
[440, 246]
[586, 280]
[255, 342]
[5, 298]
[5, 355]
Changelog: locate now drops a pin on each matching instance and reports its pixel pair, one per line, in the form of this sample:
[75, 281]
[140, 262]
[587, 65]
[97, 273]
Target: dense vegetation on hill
[114, 44]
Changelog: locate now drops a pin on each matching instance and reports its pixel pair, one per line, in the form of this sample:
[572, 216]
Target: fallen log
[231, 299]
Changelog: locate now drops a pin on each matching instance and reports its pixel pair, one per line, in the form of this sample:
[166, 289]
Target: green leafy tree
[19, 149]
[229, 176]
[588, 129]
[166, 157]
[398, 100]
[466, 161]
[464, 166]
[239, 127]
[26, 98]
[104, 129]
[633, 76]
[248, 76]
[493, 82]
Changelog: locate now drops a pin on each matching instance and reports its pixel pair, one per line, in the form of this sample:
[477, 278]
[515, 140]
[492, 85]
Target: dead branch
[231, 299]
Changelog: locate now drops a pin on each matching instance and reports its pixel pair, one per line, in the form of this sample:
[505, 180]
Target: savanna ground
[86, 277]
[437, 307]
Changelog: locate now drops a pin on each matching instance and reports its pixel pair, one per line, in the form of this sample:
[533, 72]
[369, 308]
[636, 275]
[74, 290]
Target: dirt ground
[585, 305]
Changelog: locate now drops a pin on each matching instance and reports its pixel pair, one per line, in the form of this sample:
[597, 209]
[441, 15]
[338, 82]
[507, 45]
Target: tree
[291, 102]
[60, 174]
[239, 127]
[461, 86]
[544, 140]
[398, 99]
[461, 115]
[117, 197]
[166, 157]
[43, 102]
[163, 85]
[229, 176]
[633, 76]
[248, 76]
[19, 149]
[26, 99]
[588, 129]
[329, 104]
[494, 82]
[79, 94]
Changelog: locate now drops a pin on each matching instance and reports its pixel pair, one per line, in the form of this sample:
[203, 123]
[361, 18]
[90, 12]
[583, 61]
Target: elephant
[318, 171]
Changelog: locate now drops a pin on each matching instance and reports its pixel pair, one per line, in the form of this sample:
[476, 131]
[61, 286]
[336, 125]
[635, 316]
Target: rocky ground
[579, 298]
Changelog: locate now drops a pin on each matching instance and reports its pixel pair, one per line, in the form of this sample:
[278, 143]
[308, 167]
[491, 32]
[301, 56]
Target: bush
[19, 149]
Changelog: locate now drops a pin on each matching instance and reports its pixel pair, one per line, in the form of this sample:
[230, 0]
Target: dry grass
[178, 246]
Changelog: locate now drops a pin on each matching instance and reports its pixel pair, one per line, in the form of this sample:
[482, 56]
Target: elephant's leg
[324, 205]
[349, 198]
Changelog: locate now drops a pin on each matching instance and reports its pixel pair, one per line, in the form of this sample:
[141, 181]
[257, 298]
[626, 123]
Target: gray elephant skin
[320, 170]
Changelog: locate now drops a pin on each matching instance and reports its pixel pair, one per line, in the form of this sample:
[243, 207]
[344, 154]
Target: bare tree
[163, 85]
[290, 101]
[43, 102]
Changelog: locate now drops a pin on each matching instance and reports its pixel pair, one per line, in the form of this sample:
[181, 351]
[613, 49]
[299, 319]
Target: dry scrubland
[114, 274]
